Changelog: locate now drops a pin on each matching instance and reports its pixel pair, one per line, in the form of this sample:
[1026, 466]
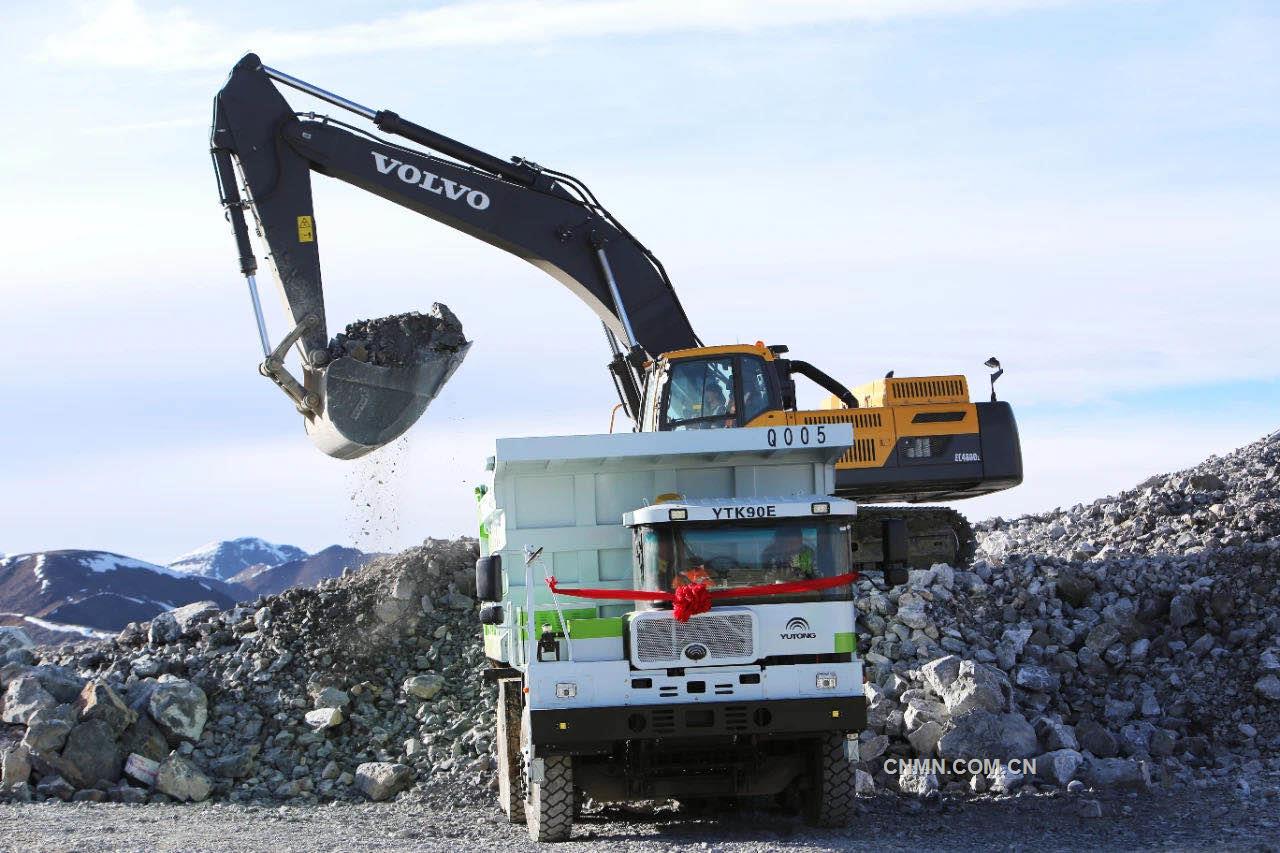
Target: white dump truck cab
[619, 693]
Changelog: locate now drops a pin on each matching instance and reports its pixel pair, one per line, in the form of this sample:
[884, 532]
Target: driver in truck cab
[789, 551]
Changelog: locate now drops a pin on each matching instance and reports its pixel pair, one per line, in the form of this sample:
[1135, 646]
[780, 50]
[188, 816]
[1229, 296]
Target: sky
[1087, 190]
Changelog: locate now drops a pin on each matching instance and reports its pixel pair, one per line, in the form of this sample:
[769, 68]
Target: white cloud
[121, 34]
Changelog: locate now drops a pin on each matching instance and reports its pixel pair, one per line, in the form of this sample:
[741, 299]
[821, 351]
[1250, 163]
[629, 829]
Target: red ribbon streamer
[698, 599]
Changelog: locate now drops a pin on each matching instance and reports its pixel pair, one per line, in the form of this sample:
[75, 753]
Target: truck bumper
[580, 728]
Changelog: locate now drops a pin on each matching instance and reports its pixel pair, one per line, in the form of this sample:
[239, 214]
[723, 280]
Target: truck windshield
[725, 556]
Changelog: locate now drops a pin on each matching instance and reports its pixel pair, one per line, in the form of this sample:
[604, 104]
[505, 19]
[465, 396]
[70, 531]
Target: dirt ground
[1217, 818]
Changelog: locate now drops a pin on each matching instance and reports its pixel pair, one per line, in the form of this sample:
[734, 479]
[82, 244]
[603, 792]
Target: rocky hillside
[1131, 642]
[284, 698]
[306, 571]
[222, 560]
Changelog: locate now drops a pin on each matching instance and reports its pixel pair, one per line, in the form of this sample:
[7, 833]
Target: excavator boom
[547, 218]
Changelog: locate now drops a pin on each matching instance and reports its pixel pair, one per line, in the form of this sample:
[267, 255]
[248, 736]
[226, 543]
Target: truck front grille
[661, 640]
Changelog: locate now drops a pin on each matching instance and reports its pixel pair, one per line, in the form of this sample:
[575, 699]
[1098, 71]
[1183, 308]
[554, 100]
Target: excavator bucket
[364, 406]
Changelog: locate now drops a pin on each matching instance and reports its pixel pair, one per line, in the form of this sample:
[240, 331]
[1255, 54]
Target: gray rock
[13, 638]
[97, 701]
[91, 755]
[458, 601]
[1182, 610]
[911, 611]
[25, 696]
[180, 778]
[54, 785]
[925, 738]
[1096, 739]
[425, 687]
[145, 738]
[46, 735]
[1034, 677]
[1055, 735]
[179, 708]
[382, 780]
[190, 614]
[1059, 766]
[913, 779]
[237, 765]
[1268, 687]
[983, 734]
[324, 718]
[1005, 780]
[1074, 587]
[61, 683]
[977, 686]
[15, 766]
[331, 697]
[941, 673]
[1117, 772]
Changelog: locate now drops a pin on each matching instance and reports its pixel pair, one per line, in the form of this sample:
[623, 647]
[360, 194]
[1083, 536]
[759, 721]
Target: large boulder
[977, 687]
[25, 696]
[1117, 772]
[145, 738]
[1058, 766]
[15, 766]
[97, 701]
[91, 755]
[982, 734]
[179, 707]
[62, 684]
[181, 779]
[382, 780]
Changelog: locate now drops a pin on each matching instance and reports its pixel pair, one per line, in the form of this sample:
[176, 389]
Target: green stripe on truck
[846, 641]
[593, 629]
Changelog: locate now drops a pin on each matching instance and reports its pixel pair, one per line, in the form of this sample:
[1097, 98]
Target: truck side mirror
[491, 614]
[893, 548]
[489, 578]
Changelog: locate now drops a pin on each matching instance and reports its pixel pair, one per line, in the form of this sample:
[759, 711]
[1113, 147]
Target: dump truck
[671, 615]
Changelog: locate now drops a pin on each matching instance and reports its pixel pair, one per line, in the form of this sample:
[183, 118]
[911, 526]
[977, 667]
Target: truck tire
[548, 810]
[507, 741]
[832, 798]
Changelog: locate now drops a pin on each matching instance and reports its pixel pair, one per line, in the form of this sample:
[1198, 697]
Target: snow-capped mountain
[94, 592]
[307, 571]
[222, 560]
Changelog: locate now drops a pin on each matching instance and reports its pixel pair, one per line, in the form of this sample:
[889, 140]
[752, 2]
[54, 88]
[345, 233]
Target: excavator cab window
[713, 393]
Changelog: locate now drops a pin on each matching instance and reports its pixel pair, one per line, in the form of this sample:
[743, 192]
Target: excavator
[918, 439]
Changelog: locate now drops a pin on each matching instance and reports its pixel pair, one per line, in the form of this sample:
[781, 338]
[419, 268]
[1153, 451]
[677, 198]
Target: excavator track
[934, 535]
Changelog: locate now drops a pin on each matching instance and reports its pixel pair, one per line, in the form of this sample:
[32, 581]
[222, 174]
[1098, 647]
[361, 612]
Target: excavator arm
[545, 217]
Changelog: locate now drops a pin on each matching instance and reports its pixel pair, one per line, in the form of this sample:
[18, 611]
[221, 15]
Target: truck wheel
[548, 810]
[831, 800]
[507, 742]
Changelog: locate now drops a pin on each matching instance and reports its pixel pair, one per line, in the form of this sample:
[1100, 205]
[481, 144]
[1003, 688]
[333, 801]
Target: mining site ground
[1218, 817]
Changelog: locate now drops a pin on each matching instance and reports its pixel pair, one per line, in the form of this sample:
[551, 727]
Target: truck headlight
[825, 681]
[568, 690]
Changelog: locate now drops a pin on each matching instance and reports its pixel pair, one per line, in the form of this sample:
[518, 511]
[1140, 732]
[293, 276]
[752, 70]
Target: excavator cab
[712, 388]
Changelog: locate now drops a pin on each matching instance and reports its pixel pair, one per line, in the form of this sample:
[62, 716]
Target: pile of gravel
[400, 340]
[364, 686]
[1130, 642]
